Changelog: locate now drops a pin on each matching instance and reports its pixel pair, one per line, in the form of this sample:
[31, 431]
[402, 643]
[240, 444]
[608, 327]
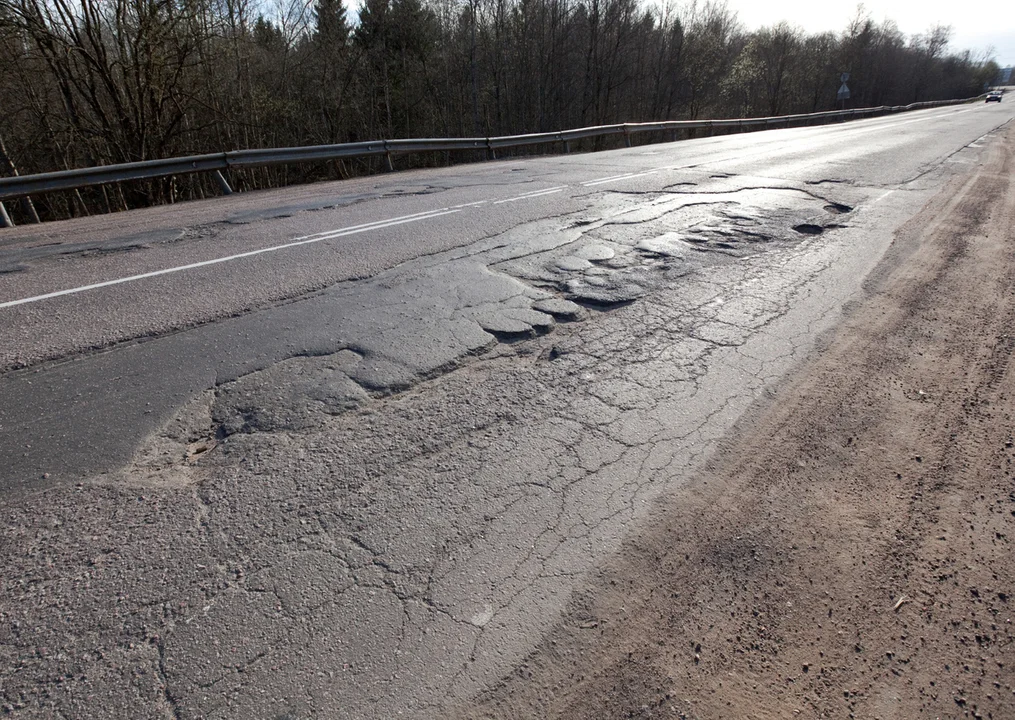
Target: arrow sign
[843, 78]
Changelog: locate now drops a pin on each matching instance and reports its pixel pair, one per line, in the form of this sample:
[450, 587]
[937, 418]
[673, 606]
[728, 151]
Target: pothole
[562, 310]
[196, 450]
[514, 336]
[573, 264]
[838, 208]
[595, 252]
[809, 229]
[595, 303]
[514, 324]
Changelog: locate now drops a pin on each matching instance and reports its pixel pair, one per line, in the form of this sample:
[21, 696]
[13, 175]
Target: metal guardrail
[25, 185]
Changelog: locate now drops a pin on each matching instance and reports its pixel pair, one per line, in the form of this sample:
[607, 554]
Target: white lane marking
[606, 179]
[851, 127]
[615, 178]
[305, 240]
[533, 194]
[351, 230]
[863, 129]
[882, 196]
[380, 224]
[683, 166]
[892, 122]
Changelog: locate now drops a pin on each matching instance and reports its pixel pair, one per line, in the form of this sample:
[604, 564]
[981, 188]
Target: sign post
[843, 95]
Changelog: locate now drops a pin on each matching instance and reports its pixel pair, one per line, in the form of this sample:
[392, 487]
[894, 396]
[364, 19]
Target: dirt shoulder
[849, 553]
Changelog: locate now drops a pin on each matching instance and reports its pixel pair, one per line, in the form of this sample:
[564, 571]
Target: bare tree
[101, 81]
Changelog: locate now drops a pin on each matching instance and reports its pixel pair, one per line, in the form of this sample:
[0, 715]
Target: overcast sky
[976, 24]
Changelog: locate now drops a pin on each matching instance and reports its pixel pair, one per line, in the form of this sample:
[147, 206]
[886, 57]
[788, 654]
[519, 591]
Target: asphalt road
[344, 450]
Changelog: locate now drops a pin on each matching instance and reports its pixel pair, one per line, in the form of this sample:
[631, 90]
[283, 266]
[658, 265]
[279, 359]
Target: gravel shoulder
[848, 552]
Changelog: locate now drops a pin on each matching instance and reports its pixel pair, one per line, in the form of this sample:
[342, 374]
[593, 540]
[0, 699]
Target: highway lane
[291, 468]
[361, 228]
[97, 282]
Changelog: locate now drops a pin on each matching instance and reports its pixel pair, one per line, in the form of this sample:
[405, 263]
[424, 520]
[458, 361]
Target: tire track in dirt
[848, 554]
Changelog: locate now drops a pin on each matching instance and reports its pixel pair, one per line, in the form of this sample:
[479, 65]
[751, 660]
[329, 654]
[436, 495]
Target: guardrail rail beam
[26, 185]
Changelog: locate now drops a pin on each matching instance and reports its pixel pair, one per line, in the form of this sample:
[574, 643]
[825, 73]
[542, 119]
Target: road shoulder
[848, 553]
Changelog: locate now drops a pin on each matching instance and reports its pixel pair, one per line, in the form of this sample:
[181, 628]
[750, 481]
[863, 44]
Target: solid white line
[306, 240]
[534, 194]
[600, 181]
[380, 224]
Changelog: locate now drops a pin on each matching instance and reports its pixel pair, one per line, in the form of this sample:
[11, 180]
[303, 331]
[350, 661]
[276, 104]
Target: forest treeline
[90, 82]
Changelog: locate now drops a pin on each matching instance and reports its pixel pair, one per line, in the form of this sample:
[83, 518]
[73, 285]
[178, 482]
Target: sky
[976, 24]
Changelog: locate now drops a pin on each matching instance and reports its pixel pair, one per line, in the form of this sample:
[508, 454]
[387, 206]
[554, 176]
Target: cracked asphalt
[346, 450]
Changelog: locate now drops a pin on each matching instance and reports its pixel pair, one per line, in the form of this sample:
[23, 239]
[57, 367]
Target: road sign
[843, 78]
[843, 93]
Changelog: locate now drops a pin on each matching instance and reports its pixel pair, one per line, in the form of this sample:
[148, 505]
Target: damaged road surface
[360, 450]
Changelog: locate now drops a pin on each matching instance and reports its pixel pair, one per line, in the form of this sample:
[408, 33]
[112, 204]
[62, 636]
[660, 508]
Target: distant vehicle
[994, 96]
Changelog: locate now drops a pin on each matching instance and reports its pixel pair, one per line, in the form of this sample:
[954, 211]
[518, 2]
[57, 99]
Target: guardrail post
[389, 165]
[5, 219]
[223, 183]
[28, 207]
[491, 153]
[627, 137]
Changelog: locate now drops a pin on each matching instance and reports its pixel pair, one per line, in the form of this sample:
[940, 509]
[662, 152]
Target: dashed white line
[615, 178]
[606, 179]
[533, 194]
[683, 166]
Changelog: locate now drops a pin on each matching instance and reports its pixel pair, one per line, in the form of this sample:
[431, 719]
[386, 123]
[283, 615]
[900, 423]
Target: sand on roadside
[849, 551]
